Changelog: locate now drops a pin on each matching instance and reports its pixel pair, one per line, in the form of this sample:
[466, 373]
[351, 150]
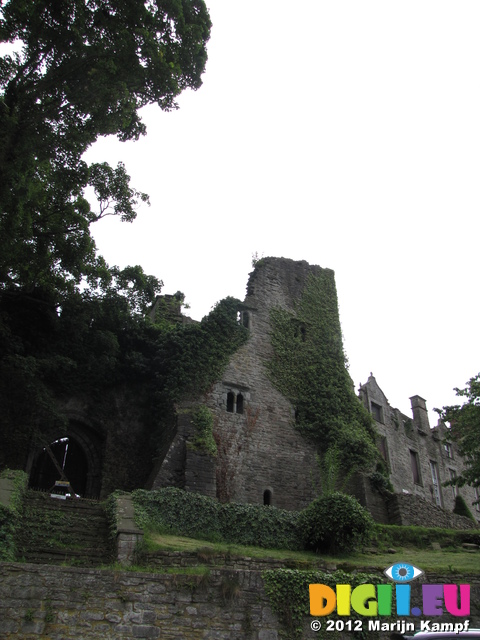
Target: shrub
[10, 513]
[192, 514]
[335, 522]
[461, 508]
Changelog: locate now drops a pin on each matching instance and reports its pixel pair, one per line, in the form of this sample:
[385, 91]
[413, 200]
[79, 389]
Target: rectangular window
[382, 445]
[453, 475]
[448, 450]
[477, 498]
[436, 487]
[376, 412]
[415, 467]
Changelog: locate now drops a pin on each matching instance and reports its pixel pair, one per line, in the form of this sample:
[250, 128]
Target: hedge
[192, 514]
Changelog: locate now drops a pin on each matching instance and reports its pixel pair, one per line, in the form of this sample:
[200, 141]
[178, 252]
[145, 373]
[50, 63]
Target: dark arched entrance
[70, 458]
[78, 455]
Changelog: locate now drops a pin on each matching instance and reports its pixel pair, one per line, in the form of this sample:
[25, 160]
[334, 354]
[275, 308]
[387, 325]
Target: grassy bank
[451, 560]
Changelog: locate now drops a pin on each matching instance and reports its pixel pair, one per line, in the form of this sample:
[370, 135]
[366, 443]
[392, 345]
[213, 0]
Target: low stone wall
[409, 509]
[66, 602]
[161, 560]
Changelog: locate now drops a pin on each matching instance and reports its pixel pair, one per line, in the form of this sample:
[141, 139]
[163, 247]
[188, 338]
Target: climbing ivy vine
[10, 513]
[97, 347]
[309, 368]
[203, 439]
[288, 591]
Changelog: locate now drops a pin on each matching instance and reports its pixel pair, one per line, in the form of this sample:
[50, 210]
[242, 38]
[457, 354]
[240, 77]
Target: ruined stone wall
[368, 497]
[112, 434]
[402, 438]
[408, 509]
[260, 452]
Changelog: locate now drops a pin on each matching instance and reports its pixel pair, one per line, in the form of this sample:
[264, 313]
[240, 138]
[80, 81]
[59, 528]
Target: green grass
[155, 541]
[445, 561]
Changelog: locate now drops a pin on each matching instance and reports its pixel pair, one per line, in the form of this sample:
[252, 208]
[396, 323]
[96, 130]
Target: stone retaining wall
[412, 510]
[66, 602]
[161, 560]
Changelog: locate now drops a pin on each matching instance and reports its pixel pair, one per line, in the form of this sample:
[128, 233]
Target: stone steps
[72, 531]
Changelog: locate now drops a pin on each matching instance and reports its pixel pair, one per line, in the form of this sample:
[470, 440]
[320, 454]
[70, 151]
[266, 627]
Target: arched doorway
[70, 458]
[78, 455]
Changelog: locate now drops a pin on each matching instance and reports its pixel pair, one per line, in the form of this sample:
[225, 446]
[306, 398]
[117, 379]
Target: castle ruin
[263, 459]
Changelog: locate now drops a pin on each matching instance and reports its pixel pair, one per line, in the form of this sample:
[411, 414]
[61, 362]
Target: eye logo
[402, 572]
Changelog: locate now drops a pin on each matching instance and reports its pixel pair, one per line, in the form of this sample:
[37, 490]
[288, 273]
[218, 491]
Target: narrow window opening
[267, 497]
[382, 445]
[239, 403]
[477, 499]
[453, 475]
[415, 467]
[435, 482]
[230, 401]
[245, 319]
[376, 412]
[299, 330]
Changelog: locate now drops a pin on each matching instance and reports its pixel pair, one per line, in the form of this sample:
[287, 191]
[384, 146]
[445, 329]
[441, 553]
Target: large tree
[78, 70]
[84, 70]
[464, 423]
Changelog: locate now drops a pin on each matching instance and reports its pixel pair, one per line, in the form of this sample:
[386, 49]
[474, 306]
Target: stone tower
[262, 458]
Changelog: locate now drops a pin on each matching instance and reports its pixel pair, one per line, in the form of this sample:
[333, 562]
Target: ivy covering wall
[10, 512]
[191, 514]
[309, 368]
[98, 349]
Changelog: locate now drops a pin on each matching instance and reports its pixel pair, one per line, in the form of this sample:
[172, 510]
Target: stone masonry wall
[60, 603]
[65, 602]
[401, 438]
[260, 450]
[408, 509]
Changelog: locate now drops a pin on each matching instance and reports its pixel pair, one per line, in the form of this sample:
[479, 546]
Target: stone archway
[78, 451]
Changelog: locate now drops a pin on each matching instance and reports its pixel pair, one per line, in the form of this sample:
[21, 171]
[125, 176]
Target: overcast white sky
[344, 133]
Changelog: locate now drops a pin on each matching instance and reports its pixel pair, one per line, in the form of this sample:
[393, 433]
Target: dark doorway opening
[71, 459]
[267, 497]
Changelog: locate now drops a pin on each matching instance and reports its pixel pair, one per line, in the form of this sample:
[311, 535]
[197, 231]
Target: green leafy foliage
[194, 355]
[288, 590]
[192, 514]
[461, 508]
[10, 513]
[335, 522]
[97, 343]
[68, 321]
[380, 481]
[309, 368]
[422, 537]
[203, 439]
[464, 423]
[84, 71]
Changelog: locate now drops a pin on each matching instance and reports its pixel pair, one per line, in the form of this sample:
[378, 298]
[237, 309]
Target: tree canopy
[70, 323]
[464, 423]
[84, 70]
